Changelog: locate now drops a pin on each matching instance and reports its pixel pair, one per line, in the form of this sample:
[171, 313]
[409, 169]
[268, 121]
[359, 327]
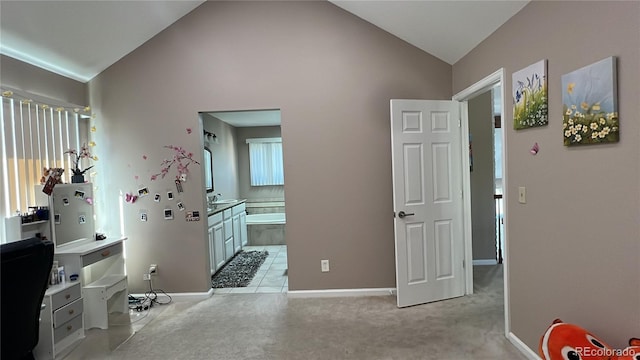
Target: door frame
[462, 97]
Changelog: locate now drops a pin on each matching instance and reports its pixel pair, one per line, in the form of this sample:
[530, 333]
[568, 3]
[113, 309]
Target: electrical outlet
[146, 277]
[324, 265]
[153, 269]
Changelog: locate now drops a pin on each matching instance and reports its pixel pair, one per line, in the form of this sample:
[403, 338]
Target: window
[33, 136]
[265, 161]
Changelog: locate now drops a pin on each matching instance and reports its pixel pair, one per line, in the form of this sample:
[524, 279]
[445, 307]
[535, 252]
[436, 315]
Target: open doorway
[497, 173]
[485, 173]
[495, 82]
[246, 151]
[485, 147]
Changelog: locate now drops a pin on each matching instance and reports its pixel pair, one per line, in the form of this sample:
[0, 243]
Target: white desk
[99, 282]
[82, 253]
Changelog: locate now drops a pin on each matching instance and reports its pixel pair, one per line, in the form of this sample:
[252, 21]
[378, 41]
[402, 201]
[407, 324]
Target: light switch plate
[522, 195]
[324, 265]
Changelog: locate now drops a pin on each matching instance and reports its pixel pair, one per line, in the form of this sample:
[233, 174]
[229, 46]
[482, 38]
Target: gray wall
[23, 76]
[252, 193]
[483, 217]
[224, 155]
[331, 74]
[574, 251]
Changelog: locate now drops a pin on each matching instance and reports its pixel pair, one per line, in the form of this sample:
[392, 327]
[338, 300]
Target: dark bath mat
[240, 270]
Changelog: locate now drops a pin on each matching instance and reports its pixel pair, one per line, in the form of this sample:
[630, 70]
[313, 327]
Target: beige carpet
[271, 326]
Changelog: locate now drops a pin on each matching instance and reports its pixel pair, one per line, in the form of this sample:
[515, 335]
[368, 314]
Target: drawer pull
[69, 327]
[106, 253]
[68, 296]
[71, 312]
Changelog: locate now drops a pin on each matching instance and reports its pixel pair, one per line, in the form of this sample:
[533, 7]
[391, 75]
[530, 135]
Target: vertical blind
[33, 137]
[265, 161]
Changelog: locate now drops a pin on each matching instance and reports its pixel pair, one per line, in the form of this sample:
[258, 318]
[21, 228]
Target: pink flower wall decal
[181, 159]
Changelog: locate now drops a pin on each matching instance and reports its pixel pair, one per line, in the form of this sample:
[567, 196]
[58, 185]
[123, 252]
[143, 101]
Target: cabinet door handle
[106, 253]
[69, 327]
[68, 296]
[71, 312]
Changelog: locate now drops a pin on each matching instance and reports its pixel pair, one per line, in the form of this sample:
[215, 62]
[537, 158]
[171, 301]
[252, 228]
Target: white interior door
[427, 200]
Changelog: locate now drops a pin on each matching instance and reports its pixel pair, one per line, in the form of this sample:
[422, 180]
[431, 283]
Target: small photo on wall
[82, 219]
[168, 214]
[530, 107]
[180, 206]
[192, 216]
[590, 104]
[142, 215]
[65, 201]
[169, 195]
[156, 197]
[143, 192]
[79, 194]
[56, 219]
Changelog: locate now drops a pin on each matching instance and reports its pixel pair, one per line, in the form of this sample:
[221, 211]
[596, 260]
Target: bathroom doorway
[248, 165]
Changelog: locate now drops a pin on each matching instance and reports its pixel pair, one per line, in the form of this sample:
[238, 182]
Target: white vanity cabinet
[243, 228]
[216, 242]
[212, 253]
[61, 322]
[227, 221]
[226, 233]
[239, 226]
[237, 242]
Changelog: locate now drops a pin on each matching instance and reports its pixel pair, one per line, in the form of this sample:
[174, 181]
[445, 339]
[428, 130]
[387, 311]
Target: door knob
[403, 214]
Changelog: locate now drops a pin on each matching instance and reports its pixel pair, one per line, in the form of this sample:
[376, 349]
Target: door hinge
[464, 264]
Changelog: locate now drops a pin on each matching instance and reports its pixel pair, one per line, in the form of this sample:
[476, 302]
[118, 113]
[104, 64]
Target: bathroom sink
[224, 202]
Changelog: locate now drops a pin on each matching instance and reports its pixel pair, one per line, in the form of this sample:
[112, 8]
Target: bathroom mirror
[208, 170]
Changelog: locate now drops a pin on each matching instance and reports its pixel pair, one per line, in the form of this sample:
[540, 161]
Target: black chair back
[25, 267]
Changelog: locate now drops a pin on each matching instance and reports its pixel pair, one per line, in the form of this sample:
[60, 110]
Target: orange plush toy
[632, 352]
[564, 341]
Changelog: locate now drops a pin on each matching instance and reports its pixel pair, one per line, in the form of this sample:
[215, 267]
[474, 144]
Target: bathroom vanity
[227, 232]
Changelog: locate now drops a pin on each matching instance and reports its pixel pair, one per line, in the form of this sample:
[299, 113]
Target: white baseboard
[485, 262]
[340, 293]
[182, 296]
[522, 347]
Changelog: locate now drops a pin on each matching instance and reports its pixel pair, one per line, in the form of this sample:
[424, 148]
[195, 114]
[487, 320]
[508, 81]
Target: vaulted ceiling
[80, 39]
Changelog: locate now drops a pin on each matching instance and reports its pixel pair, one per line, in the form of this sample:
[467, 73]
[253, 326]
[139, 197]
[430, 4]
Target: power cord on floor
[153, 294]
[150, 297]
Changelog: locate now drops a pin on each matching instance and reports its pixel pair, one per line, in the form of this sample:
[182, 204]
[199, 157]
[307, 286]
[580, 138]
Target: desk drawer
[101, 254]
[67, 312]
[67, 329]
[65, 296]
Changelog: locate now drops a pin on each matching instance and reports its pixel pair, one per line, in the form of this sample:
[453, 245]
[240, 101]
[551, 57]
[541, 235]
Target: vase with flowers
[76, 155]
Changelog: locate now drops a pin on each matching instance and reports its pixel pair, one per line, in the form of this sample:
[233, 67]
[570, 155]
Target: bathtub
[273, 218]
[266, 229]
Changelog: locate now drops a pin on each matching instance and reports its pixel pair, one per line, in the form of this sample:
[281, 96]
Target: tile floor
[270, 278]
